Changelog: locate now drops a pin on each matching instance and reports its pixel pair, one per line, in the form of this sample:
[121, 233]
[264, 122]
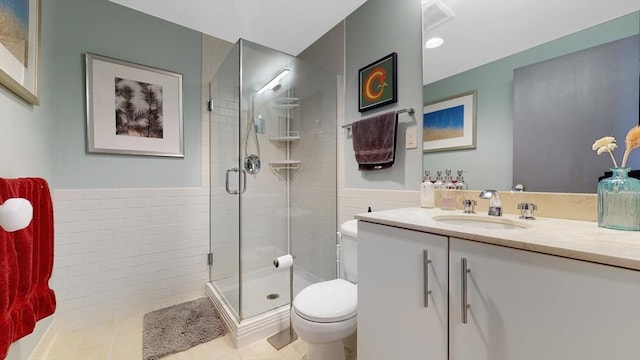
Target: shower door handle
[244, 181]
[242, 174]
[226, 181]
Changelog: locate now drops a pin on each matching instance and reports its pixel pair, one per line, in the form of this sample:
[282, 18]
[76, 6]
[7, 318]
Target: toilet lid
[349, 228]
[327, 301]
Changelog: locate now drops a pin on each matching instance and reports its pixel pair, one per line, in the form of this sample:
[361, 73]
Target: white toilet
[324, 313]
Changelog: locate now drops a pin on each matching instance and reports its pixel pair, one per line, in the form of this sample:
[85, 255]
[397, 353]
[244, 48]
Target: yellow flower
[632, 141]
[608, 144]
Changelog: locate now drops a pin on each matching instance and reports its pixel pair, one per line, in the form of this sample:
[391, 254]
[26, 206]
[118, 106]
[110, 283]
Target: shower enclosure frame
[312, 235]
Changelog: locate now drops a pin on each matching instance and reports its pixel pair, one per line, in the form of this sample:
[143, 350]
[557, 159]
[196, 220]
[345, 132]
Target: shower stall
[273, 186]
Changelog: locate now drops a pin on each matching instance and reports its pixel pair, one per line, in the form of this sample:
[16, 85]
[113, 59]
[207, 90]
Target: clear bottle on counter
[460, 184]
[427, 193]
[438, 184]
[448, 194]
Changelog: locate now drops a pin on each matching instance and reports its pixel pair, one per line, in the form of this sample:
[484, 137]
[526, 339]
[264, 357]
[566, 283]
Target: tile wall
[120, 252]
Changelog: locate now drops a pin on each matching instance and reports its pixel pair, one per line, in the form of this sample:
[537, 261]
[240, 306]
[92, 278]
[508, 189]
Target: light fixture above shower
[274, 82]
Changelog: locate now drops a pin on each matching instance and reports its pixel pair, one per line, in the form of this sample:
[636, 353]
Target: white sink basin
[482, 222]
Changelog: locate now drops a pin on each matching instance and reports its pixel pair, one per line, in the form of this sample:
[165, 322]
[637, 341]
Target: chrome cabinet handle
[465, 304]
[425, 274]
[226, 181]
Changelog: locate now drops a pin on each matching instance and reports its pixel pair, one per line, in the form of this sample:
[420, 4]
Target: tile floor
[122, 340]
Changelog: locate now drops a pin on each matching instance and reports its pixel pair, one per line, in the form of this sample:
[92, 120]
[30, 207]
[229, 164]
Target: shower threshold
[249, 330]
[272, 307]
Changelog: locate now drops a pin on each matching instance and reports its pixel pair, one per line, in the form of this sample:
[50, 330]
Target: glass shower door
[264, 205]
[225, 178]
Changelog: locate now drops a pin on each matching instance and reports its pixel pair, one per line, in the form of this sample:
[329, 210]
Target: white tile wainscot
[560, 289]
[120, 252]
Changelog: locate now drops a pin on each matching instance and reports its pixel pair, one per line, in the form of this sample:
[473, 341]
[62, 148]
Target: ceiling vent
[435, 13]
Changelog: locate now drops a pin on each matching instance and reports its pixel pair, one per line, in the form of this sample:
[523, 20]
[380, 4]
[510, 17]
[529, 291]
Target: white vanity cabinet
[522, 305]
[394, 322]
[526, 305]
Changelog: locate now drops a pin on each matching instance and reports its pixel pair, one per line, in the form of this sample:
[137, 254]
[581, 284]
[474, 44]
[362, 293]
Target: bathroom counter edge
[580, 240]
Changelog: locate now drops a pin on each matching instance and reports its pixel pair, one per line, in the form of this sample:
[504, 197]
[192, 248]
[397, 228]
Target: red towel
[26, 263]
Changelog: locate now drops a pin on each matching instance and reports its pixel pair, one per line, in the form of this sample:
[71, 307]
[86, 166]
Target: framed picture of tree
[133, 109]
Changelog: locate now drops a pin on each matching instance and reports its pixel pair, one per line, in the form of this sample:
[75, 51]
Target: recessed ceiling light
[434, 43]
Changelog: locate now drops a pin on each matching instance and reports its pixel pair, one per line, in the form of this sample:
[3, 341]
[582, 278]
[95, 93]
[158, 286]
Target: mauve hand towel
[374, 141]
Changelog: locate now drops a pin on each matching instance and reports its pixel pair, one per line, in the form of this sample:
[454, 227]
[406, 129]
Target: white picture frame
[133, 109]
[450, 123]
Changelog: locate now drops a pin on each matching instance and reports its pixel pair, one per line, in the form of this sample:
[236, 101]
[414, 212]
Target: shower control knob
[252, 164]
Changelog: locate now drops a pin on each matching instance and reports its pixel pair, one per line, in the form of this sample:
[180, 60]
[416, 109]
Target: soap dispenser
[427, 194]
[448, 197]
[460, 184]
[439, 184]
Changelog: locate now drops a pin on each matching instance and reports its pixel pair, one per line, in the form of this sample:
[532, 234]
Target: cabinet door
[393, 321]
[525, 305]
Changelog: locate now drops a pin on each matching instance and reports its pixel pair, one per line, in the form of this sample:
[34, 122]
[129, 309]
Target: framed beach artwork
[133, 109]
[19, 47]
[378, 84]
[450, 123]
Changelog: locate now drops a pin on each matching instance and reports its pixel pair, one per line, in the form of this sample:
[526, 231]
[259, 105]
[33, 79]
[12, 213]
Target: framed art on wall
[378, 83]
[133, 109]
[450, 123]
[20, 47]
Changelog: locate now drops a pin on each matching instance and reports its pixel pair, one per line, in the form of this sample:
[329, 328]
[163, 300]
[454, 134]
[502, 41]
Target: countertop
[581, 240]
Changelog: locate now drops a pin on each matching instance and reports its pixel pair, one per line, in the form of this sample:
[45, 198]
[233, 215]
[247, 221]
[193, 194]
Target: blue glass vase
[619, 201]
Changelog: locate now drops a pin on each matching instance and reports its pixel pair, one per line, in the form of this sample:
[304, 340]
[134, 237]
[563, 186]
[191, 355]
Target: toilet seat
[327, 301]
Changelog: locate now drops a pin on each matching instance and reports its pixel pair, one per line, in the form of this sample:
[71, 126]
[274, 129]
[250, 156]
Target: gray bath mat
[179, 327]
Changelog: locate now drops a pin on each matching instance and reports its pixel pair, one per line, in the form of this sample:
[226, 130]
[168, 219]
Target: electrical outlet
[411, 137]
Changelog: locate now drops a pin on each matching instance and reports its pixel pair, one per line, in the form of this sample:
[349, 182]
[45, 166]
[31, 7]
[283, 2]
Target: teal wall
[49, 140]
[104, 28]
[376, 29]
[25, 130]
[491, 163]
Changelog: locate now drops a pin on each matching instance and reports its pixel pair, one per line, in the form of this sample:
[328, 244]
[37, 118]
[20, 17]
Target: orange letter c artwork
[374, 84]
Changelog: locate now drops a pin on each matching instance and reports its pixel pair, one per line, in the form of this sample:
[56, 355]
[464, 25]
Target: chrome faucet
[495, 204]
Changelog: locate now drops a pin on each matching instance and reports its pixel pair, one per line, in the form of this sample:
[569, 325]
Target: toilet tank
[349, 250]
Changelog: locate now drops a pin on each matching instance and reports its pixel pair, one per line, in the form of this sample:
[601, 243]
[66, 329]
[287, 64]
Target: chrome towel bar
[411, 112]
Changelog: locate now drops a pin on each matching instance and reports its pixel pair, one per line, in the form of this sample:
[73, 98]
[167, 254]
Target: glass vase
[619, 201]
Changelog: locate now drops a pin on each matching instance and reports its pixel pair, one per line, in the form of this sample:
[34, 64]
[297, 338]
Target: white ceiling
[289, 26]
[483, 31]
[480, 32]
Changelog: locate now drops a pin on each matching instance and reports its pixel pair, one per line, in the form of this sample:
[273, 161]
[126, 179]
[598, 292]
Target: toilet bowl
[324, 314]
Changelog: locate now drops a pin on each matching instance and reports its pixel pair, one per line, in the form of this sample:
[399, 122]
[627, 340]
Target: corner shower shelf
[285, 165]
[287, 136]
